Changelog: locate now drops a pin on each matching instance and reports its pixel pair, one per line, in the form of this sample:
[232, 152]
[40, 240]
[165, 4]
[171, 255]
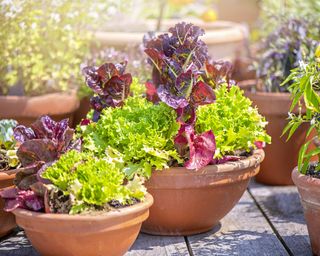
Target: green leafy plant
[280, 51]
[140, 134]
[8, 156]
[237, 126]
[88, 182]
[305, 88]
[42, 45]
[274, 12]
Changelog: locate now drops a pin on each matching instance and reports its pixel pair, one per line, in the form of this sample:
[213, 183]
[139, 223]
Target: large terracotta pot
[247, 11]
[188, 202]
[111, 233]
[281, 156]
[224, 39]
[7, 220]
[26, 110]
[309, 190]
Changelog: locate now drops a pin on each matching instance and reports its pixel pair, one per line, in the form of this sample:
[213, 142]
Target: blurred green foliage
[42, 45]
[274, 12]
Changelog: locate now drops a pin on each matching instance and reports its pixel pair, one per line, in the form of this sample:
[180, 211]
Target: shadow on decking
[239, 242]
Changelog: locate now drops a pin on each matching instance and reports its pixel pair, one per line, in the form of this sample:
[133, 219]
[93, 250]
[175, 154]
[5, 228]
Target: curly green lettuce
[89, 181]
[139, 134]
[235, 123]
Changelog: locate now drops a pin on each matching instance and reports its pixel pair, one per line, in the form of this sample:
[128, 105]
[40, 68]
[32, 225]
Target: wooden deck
[267, 221]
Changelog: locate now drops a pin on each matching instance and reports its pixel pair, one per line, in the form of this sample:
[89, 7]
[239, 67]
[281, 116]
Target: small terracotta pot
[188, 202]
[26, 110]
[281, 156]
[111, 233]
[309, 190]
[7, 220]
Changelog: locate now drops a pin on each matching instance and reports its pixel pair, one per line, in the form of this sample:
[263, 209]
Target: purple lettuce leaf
[199, 147]
[49, 141]
[202, 94]
[151, 92]
[110, 84]
[37, 150]
[218, 73]
[170, 98]
[25, 199]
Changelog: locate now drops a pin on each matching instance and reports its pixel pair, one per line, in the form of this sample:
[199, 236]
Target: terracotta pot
[247, 11]
[188, 202]
[111, 233]
[309, 190]
[281, 156]
[27, 109]
[224, 39]
[7, 220]
[82, 111]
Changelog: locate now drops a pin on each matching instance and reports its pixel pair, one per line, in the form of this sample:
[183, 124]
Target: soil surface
[312, 171]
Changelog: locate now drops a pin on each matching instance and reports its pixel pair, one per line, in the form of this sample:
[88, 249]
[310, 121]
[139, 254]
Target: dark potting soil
[312, 171]
[116, 204]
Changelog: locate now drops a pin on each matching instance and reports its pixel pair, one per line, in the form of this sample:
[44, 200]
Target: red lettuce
[198, 148]
[41, 144]
[177, 59]
[26, 199]
[110, 85]
[217, 73]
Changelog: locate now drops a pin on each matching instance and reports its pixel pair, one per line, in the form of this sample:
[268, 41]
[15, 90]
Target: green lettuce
[235, 123]
[140, 134]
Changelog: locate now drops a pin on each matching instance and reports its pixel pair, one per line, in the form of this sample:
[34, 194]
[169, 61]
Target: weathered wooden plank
[244, 231]
[18, 245]
[283, 208]
[147, 245]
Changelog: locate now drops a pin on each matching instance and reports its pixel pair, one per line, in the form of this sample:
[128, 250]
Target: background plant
[305, 88]
[280, 52]
[42, 45]
[8, 156]
[274, 12]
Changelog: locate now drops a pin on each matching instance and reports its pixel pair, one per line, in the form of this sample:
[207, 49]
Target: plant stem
[161, 12]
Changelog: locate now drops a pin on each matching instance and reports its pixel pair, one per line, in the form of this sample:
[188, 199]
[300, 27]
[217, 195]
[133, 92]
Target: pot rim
[25, 97]
[227, 168]
[133, 209]
[302, 180]
[8, 175]
[29, 106]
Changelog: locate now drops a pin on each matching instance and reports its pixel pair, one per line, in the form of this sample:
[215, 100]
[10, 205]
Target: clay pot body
[7, 220]
[281, 156]
[189, 202]
[309, 190]
[224, 39]
[82, 111]
[111, 233]
[26, 110]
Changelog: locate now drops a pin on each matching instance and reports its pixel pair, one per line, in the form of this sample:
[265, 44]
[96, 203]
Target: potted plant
[8, 164]
[62, 194]
[305, 81]
[281, 51]
[223, 38]
[194, 136]
[41, 46]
